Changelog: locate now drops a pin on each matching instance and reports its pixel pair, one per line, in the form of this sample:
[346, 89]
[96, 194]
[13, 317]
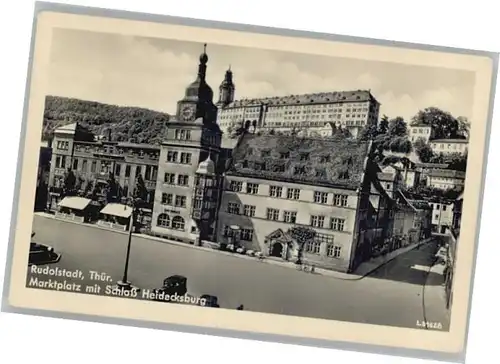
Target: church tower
[198, 97]
[226, 89]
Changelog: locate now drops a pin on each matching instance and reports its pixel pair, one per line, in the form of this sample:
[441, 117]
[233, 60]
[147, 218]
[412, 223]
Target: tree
[463, 126]
[458, 162]
[369, 132]
[397, 127]
[69, 183]
[112, 188]
[302, 235]
[383, 125]
[140, 190]
[444, 125]
[423, 150]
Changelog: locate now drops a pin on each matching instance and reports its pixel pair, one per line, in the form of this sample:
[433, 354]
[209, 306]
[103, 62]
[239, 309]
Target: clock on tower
[187, 112]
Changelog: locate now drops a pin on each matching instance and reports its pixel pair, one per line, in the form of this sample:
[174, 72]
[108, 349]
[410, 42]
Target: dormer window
[284, 155]
[344, 174]
[298, 170]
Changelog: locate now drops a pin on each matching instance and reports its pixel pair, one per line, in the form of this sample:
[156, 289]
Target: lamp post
[124, 283]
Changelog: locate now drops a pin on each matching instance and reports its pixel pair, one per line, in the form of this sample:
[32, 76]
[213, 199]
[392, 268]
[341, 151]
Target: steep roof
[333, 162]
[313, 98]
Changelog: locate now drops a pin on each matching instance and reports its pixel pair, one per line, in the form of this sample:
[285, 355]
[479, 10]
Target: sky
[153, 73]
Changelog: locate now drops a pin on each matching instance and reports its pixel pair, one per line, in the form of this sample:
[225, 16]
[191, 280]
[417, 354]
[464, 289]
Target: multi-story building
[188, 186]
[442, 215]
[352, 110]
[275, 185]
[445, 179]
[94, 162]
[449, 146]
[420, 131]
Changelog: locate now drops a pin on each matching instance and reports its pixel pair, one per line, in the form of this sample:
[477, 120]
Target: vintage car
[210, 301]
[42, 254]
[173, 285]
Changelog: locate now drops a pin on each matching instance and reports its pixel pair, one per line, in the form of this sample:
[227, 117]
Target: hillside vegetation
[133, 124]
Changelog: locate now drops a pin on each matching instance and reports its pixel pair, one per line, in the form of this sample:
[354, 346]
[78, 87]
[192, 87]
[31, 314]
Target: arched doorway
[277, 250]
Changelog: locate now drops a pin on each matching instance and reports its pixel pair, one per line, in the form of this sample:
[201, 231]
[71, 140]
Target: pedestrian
[240, 308]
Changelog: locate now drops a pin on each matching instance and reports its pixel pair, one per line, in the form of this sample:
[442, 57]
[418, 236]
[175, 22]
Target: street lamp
[133, 203]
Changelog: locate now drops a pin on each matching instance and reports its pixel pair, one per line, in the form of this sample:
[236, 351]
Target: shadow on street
[412, 267]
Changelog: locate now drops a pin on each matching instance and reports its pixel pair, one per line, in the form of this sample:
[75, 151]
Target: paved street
[390, 296]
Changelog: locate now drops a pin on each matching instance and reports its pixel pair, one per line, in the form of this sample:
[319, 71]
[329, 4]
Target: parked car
[211, 301]
[42, 254]
[441, 255]
[174, 284]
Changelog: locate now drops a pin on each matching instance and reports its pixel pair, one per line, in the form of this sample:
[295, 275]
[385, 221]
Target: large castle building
[351, 110]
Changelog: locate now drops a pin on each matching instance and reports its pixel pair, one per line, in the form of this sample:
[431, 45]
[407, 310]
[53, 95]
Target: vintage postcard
[252, 182]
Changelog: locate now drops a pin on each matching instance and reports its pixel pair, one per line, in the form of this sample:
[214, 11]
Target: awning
[117, 209]
[74, 202]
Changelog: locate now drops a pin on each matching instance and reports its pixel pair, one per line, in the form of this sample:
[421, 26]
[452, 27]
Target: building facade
[278, 185]
[352, 110]
[442, 215]
[94, 162]
[445, 179]
[449, 146]
[420, 131]
[189, 179]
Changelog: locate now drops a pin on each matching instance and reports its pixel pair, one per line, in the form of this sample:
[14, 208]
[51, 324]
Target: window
[84, 165]
[178, 223]
[186, 158]
[249, 210]
[63, 145]
[313, 247]
[93, 166]
[58, 162]
[247, 234]
[333, 251]
[163, 220]
[253, 188]
[275, 191]
[138, 170]
[285, 155]
[180, 201]
[197, 203]
[293, 193]
[233, 208]
[337, 224]
[75, 163]
[183, 180]
[63, 162]
[227, 231]
[340, 200]
[304, 156]
[444, 207]
[167, 198]
[169, 178]
[388, 186]
[320, 197]
[317, 221]
[118, 169]
[183, 134]
[172, 156]
[273, 214]
[127, 171]
[236, 186]
[290, 216]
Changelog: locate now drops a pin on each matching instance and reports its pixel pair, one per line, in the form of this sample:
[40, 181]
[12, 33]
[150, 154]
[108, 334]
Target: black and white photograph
[236, 178]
